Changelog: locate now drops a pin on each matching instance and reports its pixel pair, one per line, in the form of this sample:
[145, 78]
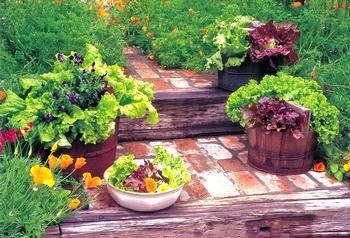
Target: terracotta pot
[98, 156]
[232, 78]
[279, 152]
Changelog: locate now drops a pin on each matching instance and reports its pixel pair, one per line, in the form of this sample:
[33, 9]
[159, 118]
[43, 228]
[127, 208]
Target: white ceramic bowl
[143, 202]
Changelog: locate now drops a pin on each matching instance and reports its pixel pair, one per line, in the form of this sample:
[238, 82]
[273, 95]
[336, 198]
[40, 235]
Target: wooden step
[183, 113]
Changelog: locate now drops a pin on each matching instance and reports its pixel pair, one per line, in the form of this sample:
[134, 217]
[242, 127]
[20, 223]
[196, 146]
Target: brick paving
[218, 167]
[143, 69]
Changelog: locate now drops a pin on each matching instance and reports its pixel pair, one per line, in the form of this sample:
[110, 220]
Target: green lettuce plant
[79, 100]
[324, 119]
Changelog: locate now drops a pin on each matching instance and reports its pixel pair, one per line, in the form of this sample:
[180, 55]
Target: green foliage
[230, 37]
[324, 119]
[122, 168]
[72, 102]
[29, 42]
[25, 211]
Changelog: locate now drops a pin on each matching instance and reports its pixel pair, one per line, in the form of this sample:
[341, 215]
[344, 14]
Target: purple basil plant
[274, 115]
[273, 43]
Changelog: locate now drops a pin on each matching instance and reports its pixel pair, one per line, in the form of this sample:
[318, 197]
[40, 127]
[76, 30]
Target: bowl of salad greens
[147, 185]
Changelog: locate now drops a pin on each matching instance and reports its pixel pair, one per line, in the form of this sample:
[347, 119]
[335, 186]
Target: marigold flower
[91, 182]
[42, 175]
[190, 10]
[2, 96]
[296, 4]
[346, 167]
[74, 204]
[102, 13]
[319, 167]
[151, 185]
[150, 34]
[79, 162]
[144, 28]
[134, 20]
[65, 161]
[52, 161]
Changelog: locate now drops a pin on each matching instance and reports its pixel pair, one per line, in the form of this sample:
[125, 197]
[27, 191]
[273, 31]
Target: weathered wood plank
[183, 114]
[264, 219]
[52, 232]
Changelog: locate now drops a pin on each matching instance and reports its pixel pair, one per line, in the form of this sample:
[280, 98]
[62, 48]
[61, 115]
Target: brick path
[165, 79]
[219, 169]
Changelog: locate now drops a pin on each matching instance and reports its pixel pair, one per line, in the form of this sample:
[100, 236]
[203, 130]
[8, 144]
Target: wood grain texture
[183, 113]
[323, 213]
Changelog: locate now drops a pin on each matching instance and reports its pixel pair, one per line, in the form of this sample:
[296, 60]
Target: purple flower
[60, 57]
[48, 117]
[73, 99]
[55, 95]
[105, 84]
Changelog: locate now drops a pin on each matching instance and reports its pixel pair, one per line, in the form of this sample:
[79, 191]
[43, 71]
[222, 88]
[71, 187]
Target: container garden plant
[77, 106]
[248, 49]
[147, 185]
[281, 131]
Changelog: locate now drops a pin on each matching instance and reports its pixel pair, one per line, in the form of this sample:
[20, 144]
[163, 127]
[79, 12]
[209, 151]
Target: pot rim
[106, 175]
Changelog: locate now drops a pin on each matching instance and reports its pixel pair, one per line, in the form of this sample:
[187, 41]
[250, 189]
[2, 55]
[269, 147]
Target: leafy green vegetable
[122, 168]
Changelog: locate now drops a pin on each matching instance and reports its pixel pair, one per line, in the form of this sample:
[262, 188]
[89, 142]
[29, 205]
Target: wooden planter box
[279, 152]
[232, 78]
[98, 156]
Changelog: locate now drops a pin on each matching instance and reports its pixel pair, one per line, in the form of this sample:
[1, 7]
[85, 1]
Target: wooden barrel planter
[232, 78]
[98, 156]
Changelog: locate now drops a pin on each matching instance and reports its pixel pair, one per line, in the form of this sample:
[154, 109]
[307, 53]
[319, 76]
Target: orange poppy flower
[296, 4]
[65, 161]
[42, 175]
[100, 3]
[58, 1]
[74, 204]
[314, 74]
[79, 162]
[147, 18]
[102, 13]
[319, 167]
[91, 182]
[150, 34]
[134, 20]
[53, 161]
[151, 185]
[2, 96]
[144, 28]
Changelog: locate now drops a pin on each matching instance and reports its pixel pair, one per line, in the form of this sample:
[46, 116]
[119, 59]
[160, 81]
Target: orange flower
[53, 161]
[91, 182]
[339, 6]
[296, 4]
[65, 161]
[58, 1]
[100, 3]
[150, 34]
[134, 20]
[74, 204]
[314, 74]
[151, 185]
[151, 57]
[120, 5]
[80, 162]
[190, 10]
[319, 167]
[102, 13]
[147, 18]
[2, 96]
[42, 175]
[144, 28]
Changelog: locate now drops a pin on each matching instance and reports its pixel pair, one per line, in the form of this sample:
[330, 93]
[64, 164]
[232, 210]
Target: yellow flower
[53, 161]
[103, 13]
[147, 18]
[190, 10]
[346, 167]
[144, 28]
[74, 204]
[100, 3]
[163, 187]
[91, 182]
[65, 161]
[151, 185]
[80, 162]
[54, 147]
[150, 34]
[42, 175]
[296, 4]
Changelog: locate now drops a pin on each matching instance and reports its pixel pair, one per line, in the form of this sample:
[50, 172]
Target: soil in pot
[279, 152]
[232, 78]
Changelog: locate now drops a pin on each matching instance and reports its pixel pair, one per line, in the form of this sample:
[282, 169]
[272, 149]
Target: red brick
[187, 146]
[138, 149]
[232, 165]
[201, 163]
[325, 180]
[168, 73]
[302, 181]
[179, 82]
[248, 183]
[147, 73]
[202, 83]
[232, 142]
[275, 183]
[243, 156]
[190, 73]
[195, 189]
[159, 84]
